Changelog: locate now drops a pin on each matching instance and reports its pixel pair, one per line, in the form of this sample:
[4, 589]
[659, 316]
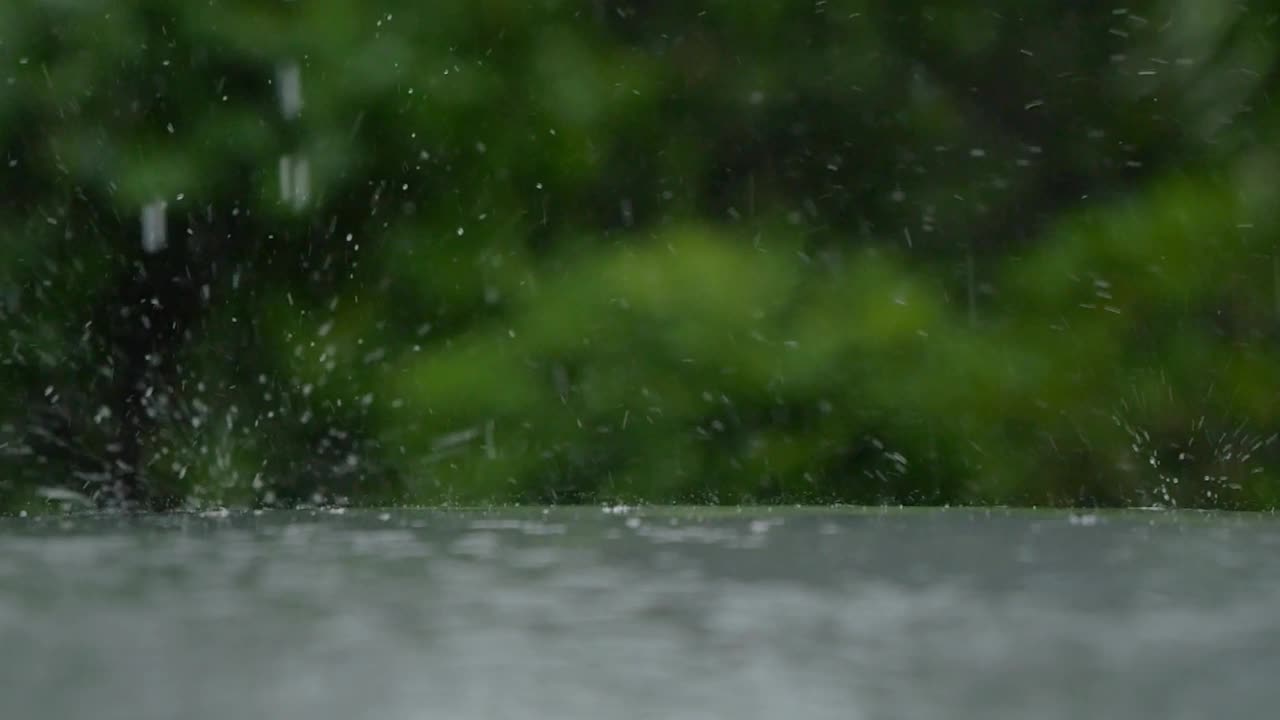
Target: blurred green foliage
[597, 251]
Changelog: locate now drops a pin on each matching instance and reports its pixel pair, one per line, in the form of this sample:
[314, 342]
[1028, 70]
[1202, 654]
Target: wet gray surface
[582, 613]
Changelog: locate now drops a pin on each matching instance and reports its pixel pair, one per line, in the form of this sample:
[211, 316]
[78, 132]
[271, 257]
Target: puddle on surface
[587, 613]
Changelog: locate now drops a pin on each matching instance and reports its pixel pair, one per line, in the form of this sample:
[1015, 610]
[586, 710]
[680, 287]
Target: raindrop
[295, 181]
[153, 226]
[289, 89]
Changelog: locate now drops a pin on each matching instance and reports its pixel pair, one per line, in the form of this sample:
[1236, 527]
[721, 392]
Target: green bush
[588, 252]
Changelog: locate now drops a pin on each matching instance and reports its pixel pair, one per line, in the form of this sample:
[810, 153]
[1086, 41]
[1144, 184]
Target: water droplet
[289, 89]
[153, 226]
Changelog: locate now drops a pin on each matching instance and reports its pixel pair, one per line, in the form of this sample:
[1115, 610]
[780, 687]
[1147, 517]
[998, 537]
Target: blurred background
[259, 252]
